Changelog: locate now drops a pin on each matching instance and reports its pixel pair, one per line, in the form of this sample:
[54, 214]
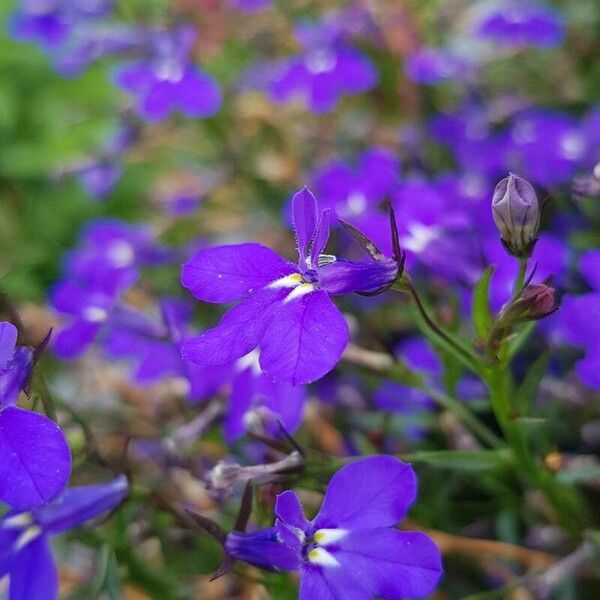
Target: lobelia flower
[355, 192]
[285, 309]
[25, 553]
[50, 22]
[350, 550]
[522, 23]
[167, 80]
[580, 321]
[433, 65]
[255, 402]
[327, 68]
[100, 175]
[35, 460]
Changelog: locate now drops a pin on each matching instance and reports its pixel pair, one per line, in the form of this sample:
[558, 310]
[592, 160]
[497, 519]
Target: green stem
[564, 499]
[520, 280]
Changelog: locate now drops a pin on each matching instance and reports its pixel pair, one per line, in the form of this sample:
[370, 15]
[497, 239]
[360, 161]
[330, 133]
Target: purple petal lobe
[35, 460]
[8, 340]
[34, 575]
[371, 492]
[226, 273]
[304, 209]
[73, 340]
[392, 563]
[346, 276]
[80, 504]
[321, 237]
[304, 340]
[239, 331]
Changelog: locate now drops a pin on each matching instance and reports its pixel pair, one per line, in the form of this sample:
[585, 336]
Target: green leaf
[462, 460]
[482, 316]
[526, 391]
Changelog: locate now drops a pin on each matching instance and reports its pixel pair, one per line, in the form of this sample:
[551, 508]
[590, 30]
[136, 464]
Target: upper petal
[393, 564]
[226, 273]
[372, 492]
[8, 340]
[80, 504]
[304, 339]
[304, 210]
[36, 460]
[239, 331]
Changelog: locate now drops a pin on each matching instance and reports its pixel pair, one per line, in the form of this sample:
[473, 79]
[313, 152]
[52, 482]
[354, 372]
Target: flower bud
[516, 212]
[536, 301]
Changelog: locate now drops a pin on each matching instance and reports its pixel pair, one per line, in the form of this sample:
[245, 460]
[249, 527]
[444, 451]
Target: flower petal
[80, 504]
[73, 340]
[304, 339]
[239, 331]
[346, 276]
[226, 273]
[36, 460]
[8, 340]
[199, 95]
[393, 564]
[371, 492]
[33, 575]
[304, 210]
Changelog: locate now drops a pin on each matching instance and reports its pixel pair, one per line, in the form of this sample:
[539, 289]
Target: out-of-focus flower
[522, 23]
[355, 192]
[25, 553]
[327, 68]
[351, 545]
[433, 65]
[168, 81]
[35, 460]
[286, 309]
[516, 212]
[580, 321]
[251, 5]
[49, 22]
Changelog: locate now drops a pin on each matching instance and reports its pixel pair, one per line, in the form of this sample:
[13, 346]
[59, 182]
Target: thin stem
[469, 359]
[385, 366]
[520, 280]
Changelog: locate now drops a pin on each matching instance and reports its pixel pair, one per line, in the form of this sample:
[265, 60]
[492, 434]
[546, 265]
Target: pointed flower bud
[536, 301]
[516, 212]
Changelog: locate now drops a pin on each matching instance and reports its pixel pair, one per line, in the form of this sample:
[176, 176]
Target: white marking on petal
[320, 61]
[572, 146]
[17, 521]
[27, 536]
[95, 314]
[121, 254]
[249, 361]
[356, 203]
[324, 537]
[299, 291]
[289, 281]
[320, 556]
[420, 237]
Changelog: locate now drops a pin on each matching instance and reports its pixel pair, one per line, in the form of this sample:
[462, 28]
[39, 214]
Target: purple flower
[286, 310]
[35, 460]
[432, 65]
[580, 321]
[25, 553]
[251, 5]
[50, 22]
[258, 404]
[168, 81]
[351, 549]
[354, 192]
[327, 68]
[523, 23]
